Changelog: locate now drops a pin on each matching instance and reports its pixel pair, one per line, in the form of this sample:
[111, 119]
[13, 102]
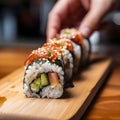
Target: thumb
[92, 19]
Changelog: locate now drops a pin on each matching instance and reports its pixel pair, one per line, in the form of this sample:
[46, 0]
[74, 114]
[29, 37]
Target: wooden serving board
[14, 104]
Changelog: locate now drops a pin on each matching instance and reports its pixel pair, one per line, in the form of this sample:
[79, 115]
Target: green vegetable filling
[39, 82]
[36, 85]
[44, 79]
[67, 32]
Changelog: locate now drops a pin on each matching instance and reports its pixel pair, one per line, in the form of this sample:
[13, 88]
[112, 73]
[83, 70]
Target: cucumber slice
[40, 82]
[44, 79]
[36, 85]
[37, 81]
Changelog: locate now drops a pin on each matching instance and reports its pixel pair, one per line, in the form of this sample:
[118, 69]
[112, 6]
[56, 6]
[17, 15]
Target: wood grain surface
[107, 104]
[14, 104]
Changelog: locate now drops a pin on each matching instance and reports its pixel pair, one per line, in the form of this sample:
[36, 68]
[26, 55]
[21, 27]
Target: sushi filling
[39, 83]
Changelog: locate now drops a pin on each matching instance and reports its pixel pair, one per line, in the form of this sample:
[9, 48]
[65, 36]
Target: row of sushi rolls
[50, 68]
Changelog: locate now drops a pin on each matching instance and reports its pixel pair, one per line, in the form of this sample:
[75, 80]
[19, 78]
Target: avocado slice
[39, 82]
[36, 85]
[44, 79]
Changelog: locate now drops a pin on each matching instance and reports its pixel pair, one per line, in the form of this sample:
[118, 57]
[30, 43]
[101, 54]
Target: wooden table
[106, 104]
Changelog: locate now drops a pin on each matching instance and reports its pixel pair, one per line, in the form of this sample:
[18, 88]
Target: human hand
[86, 15]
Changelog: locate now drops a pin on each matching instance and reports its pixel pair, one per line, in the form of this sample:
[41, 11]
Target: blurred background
[24, 21]
[23, 28]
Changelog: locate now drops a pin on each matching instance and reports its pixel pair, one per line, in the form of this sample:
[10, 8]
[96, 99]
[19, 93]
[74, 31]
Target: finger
[92, 19]
[56, 17]
[53, 26]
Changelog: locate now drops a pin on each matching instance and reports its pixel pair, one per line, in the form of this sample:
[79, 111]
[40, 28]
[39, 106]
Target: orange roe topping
[72, 34]
[68, 44]
[63, 43]
[51, 50]
[47, 51]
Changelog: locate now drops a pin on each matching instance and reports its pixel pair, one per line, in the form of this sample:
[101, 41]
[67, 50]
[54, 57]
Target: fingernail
[86, 32]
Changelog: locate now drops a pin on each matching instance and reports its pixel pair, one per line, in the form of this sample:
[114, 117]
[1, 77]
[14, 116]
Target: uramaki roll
[82, 47]
[68, 57]
[44, 75]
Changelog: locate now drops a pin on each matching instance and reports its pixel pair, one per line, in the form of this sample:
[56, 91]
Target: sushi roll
[44, 74]
[49, 68]
[76, 38]
[82, 46]
[68, 57]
